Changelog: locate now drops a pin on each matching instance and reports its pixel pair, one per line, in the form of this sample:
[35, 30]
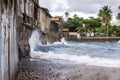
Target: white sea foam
[34, 39]
[118, 42]
[79, 59]
[61, 42]
[84, 59]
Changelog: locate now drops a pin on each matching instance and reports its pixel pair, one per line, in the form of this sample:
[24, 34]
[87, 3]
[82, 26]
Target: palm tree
[80, 29]
[66, 15]
[119, 7]
[118, 16]
[105, 14]
[80, 26]
[75, 15]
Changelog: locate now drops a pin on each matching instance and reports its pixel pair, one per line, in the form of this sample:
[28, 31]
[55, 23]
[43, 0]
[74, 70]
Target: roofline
[37, 5]
[46, 11]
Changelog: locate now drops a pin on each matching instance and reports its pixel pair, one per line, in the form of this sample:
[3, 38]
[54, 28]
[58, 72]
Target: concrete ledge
[95, 39]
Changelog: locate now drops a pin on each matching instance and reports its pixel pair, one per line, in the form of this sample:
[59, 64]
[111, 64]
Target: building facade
[28, 19]
[58, 20]
[45, 19]
[18, 18]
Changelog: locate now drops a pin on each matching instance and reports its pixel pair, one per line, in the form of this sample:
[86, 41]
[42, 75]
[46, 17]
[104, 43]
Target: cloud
[55, 5]
[80, 14]
[92, 6]
[87, 6]
[61, 5]
[82, 6]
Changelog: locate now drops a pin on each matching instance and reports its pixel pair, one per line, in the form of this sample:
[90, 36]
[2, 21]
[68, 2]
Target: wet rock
[24, 49]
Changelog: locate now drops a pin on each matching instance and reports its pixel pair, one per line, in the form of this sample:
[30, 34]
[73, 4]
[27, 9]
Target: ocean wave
[73, 51]
[83, 59]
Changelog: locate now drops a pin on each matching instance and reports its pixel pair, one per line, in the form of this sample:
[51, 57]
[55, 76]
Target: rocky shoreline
[42, 69]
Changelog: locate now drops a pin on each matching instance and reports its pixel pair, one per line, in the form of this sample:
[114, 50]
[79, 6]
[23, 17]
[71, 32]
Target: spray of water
[34, 39]
[118, 42]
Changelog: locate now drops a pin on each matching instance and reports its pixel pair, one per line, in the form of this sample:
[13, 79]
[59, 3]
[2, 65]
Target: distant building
[64, 32]
[57, 19]
[54, 26]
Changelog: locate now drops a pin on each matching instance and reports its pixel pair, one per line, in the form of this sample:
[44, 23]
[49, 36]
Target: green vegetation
[100, 25]
[118, 15]
[105, 16]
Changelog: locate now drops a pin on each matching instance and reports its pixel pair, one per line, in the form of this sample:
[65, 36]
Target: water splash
[118, 42]
[36, 44]
[61, 42]
[34, 39]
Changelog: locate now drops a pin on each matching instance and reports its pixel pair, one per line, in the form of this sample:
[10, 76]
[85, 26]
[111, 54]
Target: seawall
[101, 39]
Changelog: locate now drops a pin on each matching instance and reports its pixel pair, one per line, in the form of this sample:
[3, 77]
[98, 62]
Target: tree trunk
[107, 31]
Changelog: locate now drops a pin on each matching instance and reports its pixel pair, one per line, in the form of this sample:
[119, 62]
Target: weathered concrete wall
[48, 23]
[0, 42]
[17, 20]
[8, 45]
[50, 30]
[26, 22]
[50, 37]
[53, 35]
[44, 20]
[23, 35]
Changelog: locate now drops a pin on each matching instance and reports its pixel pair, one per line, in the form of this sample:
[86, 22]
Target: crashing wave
[56, 51]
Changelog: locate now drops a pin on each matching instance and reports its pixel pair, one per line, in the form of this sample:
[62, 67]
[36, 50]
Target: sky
[83, 8]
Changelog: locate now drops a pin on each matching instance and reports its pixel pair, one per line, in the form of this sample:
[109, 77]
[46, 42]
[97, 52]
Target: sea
[104, 54]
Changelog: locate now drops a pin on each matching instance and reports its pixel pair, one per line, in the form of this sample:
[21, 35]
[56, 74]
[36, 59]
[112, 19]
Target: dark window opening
[5, 2]
[35, 13]
[24, 17]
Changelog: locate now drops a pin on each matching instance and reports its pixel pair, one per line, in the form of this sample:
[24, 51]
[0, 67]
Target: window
[35, 13]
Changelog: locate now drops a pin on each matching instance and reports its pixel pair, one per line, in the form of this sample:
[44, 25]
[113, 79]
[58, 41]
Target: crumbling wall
[8, 44]
[53, 36]
[43, 20]
[23, 35]
[25, 25]
[16, 26]
[48, 35]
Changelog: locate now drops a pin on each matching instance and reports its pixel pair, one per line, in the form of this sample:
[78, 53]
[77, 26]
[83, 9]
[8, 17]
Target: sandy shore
[40, 69]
